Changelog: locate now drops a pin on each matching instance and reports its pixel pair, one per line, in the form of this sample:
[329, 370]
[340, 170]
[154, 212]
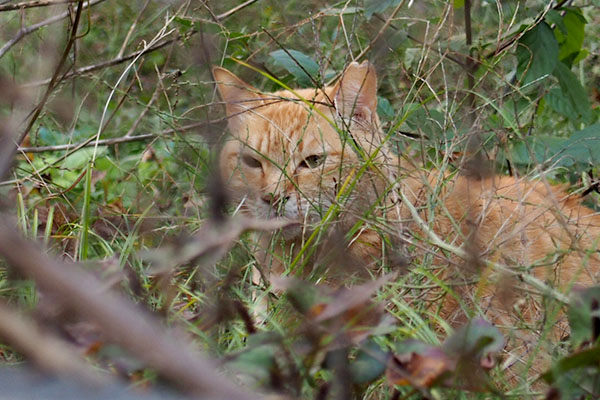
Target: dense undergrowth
[110, 126]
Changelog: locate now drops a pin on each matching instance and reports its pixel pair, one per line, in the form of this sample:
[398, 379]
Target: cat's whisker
[240, 205]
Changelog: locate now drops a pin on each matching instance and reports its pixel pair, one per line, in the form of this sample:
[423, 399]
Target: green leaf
[369, 364]
[385, 109]
[583, 147]
[256, 362]
[298, 64]
[543, 149]
[537, 53]
[377, 6]
[476, 338]
[47, 137]
[570, 40]
[576, 375]
[431, 122]
[560, 103]
[574, 93]
[81, 157]
[580, 150]
[583, 308]
[459, 3]
[554, 17]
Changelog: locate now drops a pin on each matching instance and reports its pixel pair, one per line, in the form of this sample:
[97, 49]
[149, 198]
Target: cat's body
[286, 158]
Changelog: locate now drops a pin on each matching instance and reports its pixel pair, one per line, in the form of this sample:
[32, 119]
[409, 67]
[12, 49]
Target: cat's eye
[251, 161]
[312, 161]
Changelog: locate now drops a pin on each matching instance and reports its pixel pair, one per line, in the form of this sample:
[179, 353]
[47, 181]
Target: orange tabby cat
[301, 154]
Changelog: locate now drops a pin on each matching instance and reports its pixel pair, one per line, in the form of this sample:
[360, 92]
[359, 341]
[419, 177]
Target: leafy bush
[109, 132]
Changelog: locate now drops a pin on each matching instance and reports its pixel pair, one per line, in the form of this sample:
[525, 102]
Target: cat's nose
[275, 199]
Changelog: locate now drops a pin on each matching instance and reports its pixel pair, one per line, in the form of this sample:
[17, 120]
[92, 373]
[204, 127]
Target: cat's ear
[355, 94]
[239, 97]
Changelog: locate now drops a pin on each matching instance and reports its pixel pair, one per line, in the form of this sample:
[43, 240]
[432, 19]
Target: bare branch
[38, 109]
[46, 351]
[109, 63]
[32, 4]
[119, 60]
[26, 31]
[121, 321]
[235, 9]
[112, 141]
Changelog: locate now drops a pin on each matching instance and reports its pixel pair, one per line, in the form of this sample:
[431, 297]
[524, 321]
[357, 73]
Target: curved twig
[26, 31]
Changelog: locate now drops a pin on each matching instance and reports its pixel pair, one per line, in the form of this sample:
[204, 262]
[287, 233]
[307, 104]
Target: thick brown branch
[46, 351]
[121, 321]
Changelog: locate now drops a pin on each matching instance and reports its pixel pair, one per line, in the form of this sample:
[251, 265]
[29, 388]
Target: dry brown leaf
[418, 370]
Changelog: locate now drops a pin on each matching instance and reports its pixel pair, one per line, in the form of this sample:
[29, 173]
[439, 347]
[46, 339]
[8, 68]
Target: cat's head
[290, 152]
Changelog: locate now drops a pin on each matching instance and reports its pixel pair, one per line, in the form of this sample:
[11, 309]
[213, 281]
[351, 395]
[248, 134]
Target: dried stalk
[122, 322]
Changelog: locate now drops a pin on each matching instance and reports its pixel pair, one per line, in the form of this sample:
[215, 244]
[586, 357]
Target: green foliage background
[521, 83]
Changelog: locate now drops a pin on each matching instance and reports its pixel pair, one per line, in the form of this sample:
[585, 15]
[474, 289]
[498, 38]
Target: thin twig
[32, 4]
[132, 29]
[57, 72]
[460, 252]
[229, 13]
[377, 36]
[112, 141]
[26, 31]
[540, 18]
[381, 31]
[104, 64]
[154, 97]
[416, 40]
[470, 65]
[122, 59]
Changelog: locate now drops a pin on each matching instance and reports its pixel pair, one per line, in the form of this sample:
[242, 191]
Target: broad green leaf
[256, 362]
[543, 147]
[571, 40]
[554, 17]
[298, 64]
[384, 108]
[537, 53]
[81, 157]
[430, 122]
[574, 92]
[583, 147]
[459, 3]
[560, 103]
[47, 137]
[377, 6]
[582, 55]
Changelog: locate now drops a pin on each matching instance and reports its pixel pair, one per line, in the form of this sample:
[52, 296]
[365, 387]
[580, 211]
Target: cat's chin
[291, 231]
